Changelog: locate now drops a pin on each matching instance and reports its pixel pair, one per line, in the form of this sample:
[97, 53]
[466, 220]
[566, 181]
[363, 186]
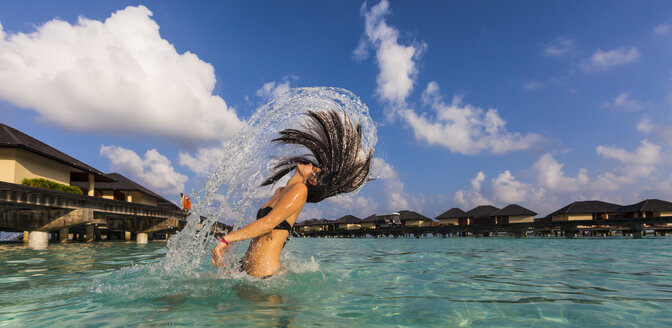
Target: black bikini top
[284, 225]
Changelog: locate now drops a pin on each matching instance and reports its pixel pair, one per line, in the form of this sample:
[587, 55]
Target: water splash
[234, 183]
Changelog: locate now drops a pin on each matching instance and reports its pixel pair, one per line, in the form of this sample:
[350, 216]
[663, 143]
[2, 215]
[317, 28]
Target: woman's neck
[296, 178]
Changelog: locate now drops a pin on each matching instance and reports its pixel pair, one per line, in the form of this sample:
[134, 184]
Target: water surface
[460, 282]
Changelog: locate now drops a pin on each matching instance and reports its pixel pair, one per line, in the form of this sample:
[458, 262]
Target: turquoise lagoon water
[460, 282]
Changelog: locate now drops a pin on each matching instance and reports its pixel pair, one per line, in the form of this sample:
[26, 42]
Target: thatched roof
[649, 205]
[587, 207]
[513, 210]
[13, 138]
[483, 211]
[453, 213]
[347, 219]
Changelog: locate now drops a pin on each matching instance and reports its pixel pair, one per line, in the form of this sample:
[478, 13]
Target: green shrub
[51, 185]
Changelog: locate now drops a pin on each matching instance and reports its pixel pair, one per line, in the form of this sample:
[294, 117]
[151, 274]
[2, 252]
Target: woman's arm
[291, 202]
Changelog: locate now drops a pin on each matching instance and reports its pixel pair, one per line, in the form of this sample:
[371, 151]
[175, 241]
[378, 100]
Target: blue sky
[535, 103]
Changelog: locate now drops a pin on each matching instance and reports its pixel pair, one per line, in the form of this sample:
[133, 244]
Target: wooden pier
[85, 218]
[635, 227]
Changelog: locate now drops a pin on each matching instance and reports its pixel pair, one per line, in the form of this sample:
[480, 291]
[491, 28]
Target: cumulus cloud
[466, 129]
[550, 175]
[468, 199]
[271, 90]
[560, 46]
[607, 59]
[205, 160]
[503, 190]
[154, 171]
[116, 75]
[640, 163]
[663, 29]
[506, 189]
[623, 101]
[398, 70]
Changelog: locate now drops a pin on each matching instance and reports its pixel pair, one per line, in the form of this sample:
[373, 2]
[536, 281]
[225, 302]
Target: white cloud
[551, 176]
[615, 57]
[396, 62]
[663, 29]
[640, 163]
[559, 46]
[623, 101]
[154, 171]
[273, 89]
[468, 199]
[507, 190]
[532, 85]
[645, 126]
[464, 128]
[117, 75]
[205, 160]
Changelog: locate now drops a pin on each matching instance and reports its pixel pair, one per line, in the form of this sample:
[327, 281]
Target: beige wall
[521, 219]
[368, 225]
[348, 226]
[17, 164]
[572, 217]
[413, 223]
[446, 222]
[140, 198]
[7, 164]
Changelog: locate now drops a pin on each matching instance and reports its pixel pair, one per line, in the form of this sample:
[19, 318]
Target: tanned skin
[262, 258]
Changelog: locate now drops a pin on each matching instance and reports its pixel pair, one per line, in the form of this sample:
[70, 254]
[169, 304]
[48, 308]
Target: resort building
[513, 214]
[24, 157]
[453, 216]
[368, 222]
[316, 225]
[482, 215]
[49, 205]
[646, 209]
[586, 210]
[414, 219]
[348, 222]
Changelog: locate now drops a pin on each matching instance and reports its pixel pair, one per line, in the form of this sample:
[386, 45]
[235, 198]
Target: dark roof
[13, 138]
[483, 211]
[125, 184]
[317, 222]
[452, 213]
[512, 210]
[347, 219]
[587, 206]
[410, 215]
[649, 205]
[370, 218]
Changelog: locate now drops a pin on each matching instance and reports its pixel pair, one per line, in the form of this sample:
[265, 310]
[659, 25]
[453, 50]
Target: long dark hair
[335, 144]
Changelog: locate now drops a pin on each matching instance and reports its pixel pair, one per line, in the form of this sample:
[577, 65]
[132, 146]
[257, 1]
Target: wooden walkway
[636, 227]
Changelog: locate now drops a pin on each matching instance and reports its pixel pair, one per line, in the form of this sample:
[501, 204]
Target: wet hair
[335, 144]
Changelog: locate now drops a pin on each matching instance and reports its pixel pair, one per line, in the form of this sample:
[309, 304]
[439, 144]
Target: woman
[336, 164]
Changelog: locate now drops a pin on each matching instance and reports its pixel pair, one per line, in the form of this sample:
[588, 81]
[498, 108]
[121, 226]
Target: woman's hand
[218, 254]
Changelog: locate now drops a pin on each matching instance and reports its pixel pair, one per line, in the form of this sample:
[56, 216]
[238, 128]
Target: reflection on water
[382, 282]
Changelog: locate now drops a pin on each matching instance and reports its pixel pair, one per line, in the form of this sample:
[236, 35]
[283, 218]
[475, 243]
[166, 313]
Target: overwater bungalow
[586, 210]
[647, 209]
[317, 225]
[368, 222]
[453, 216]
[513, 214]
[482, 215]
[378, 221]
[348, 222]
[414, 219]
